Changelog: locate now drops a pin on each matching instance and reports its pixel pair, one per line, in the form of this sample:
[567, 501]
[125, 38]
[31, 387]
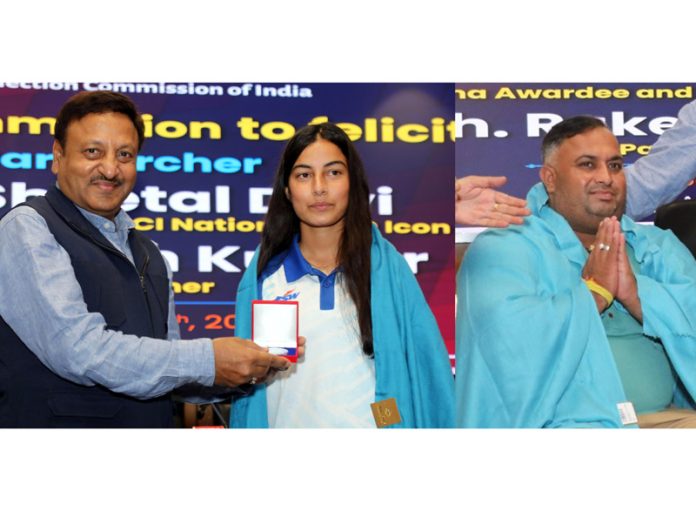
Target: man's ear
[547, 174]
[57, 157]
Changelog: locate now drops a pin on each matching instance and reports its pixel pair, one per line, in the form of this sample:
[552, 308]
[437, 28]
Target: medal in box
[275, 325]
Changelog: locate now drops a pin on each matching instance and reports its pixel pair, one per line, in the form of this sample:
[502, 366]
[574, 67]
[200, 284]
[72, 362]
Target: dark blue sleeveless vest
[133, 300]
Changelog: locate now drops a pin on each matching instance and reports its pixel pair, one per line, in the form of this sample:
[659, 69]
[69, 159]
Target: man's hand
[627, 289]
[239, 361]
[602, 264]
[301, 341]
[300, 353]
[477, 203]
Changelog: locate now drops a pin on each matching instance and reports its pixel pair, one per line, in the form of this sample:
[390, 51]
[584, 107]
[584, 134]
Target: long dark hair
[282, 224]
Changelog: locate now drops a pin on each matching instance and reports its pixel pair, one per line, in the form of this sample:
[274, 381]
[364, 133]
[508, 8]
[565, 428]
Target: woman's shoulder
[385, 255]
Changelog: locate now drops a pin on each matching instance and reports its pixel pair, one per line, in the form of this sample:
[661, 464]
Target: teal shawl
[531, 347]
[411, 361]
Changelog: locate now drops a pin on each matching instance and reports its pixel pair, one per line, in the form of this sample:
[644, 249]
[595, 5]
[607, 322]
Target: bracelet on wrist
[597, 288]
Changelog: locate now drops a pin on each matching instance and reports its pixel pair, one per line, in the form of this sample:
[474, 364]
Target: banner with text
[206, 169]
[499, 127]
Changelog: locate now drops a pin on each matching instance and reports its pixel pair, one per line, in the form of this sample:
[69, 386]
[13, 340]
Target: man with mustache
[88, 333]
[580, 317]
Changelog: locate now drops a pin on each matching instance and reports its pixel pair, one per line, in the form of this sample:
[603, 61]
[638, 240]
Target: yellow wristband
[595, 287]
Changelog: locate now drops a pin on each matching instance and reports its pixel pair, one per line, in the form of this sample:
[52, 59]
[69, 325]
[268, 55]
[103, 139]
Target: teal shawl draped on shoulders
[411, 360]
[531, 347]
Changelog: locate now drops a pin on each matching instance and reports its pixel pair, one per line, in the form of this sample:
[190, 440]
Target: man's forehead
[95, 123]
[96, 118]
[593, 142]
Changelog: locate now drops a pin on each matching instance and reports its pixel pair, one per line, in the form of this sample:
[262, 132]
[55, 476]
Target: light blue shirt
[661, 175]
[42, 301]
[643, 365]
